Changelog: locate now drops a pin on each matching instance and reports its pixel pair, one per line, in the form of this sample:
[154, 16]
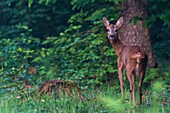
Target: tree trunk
[133, 33]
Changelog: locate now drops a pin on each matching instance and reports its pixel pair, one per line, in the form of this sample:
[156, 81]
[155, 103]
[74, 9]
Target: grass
[104, 99]
[101, 100]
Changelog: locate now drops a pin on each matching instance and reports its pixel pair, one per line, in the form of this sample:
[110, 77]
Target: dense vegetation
[65, 40]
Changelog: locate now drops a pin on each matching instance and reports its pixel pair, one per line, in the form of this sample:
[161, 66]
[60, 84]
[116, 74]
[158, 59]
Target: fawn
[131, 58]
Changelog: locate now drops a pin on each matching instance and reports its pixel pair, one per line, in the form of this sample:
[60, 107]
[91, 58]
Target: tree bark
[132, 33]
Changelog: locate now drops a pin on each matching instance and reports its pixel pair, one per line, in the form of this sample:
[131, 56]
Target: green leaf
[30, 3]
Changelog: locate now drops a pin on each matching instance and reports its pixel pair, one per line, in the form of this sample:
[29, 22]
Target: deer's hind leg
[131, 77]
[142, 75]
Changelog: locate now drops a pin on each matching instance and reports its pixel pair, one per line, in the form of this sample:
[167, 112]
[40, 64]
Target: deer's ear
[106, 22]
[118, 23]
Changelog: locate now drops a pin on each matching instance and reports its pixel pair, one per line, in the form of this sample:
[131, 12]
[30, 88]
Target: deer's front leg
[120, 69]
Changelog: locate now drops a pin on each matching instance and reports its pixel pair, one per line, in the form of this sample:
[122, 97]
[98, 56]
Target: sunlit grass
[106, 100]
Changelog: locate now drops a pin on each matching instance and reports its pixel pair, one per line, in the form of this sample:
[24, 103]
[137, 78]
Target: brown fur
[131, 58]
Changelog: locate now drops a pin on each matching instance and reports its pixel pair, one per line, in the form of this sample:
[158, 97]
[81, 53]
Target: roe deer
[131, 58]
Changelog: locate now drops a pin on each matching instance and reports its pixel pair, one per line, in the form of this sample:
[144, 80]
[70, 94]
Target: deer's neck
[117, 46]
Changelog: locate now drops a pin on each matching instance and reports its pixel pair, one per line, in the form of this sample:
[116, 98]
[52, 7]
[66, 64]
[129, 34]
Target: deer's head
[112, 29]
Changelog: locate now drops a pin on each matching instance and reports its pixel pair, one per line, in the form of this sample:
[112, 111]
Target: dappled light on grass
[7, 105]
[158, 86]
[113, 104]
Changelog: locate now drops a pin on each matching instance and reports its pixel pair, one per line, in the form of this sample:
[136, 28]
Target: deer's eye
[116, 32]
[108, 30]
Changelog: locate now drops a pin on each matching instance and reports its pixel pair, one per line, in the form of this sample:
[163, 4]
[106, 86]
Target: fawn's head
[112, 29]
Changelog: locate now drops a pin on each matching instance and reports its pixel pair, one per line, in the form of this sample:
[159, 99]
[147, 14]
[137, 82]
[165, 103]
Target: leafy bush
[16, 55]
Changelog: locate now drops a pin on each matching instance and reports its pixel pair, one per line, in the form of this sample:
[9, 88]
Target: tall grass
[96, 101]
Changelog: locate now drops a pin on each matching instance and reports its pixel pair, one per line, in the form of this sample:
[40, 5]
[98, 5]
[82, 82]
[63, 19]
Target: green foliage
[30, 3]
[82, 58]
[15, 56]
[41, 20]
[159, 18]
[81, 52]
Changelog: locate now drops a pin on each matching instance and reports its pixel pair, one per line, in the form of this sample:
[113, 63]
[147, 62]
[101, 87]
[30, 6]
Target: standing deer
[131, 58]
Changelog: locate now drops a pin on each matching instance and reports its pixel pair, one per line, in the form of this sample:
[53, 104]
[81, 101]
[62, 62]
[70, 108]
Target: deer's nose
[111, 36]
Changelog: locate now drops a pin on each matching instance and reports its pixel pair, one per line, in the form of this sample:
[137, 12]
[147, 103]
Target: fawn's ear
[118, 23]
[106, 22]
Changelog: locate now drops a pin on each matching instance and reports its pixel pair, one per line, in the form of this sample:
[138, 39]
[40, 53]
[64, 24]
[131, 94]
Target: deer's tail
[138, 56]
